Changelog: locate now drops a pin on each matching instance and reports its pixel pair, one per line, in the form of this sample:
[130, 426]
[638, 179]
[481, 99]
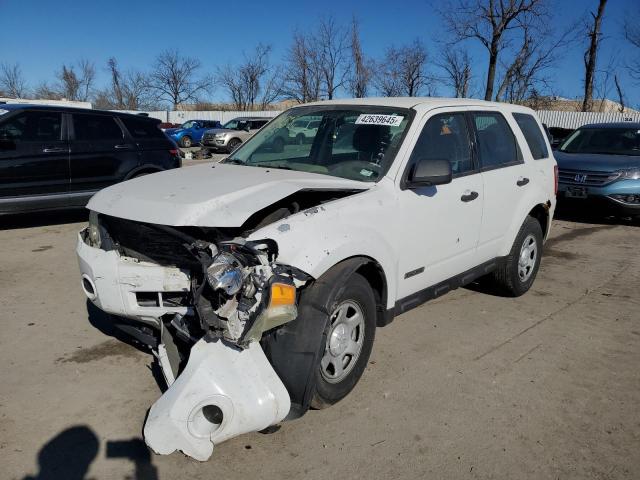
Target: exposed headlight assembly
[225, 273]
[95, 239]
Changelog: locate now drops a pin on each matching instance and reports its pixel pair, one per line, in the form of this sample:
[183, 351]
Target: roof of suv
[408, 102]
[630, 125]
[56, 108]
[252, 118]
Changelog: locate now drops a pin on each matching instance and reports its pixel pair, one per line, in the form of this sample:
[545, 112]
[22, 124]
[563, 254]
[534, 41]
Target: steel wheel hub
[527, 258]
[344, 342]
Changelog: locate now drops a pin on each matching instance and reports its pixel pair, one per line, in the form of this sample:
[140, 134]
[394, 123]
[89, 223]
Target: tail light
[173, 151]
[555, 180]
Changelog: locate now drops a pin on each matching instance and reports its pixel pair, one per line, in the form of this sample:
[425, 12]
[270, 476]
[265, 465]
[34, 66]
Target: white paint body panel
[241, 383]
[208, 195]
[116, 280]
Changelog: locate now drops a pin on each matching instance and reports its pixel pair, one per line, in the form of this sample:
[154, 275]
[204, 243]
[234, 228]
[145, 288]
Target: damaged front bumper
[222, 392]
[209, 329]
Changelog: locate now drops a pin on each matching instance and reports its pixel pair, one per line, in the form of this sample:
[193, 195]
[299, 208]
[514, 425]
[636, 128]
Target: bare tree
[457, 67]
[252, 82]
[126, 91]
[590, 56]
[359, 75]
[76, 84]
[332, 42]
[47, 92]
[12, 82]
[620, 94]
[303, 73]
[632, 35]
[489, 22]
[403, 70]
[174, 78]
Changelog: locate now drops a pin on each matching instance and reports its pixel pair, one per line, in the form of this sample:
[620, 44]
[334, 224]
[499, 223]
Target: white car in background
[303, 129]
[259, 282]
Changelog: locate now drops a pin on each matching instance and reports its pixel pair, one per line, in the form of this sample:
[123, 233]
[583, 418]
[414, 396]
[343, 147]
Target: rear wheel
[350, 334]
[517, 273]
[186, 142]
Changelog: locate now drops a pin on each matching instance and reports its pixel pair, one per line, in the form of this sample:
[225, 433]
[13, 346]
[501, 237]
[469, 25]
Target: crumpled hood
[217, 195]
[595, 162]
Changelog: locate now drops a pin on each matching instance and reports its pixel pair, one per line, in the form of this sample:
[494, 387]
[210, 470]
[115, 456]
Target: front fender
[317, 239]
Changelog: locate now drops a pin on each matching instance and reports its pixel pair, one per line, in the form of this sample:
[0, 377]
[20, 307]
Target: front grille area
[146, 241]
[585, 177]
[208, 138]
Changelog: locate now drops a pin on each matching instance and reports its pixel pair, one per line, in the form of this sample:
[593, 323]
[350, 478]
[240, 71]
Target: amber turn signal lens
[282, 294]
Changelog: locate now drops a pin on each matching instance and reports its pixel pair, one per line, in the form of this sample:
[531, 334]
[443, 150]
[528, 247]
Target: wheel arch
[143, 169]
[371, 270]
[541, 213]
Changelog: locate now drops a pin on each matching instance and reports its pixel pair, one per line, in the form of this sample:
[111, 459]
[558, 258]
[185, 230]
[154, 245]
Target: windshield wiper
[233, 161]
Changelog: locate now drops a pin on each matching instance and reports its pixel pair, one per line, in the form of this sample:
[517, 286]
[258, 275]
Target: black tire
[233, 144]
[512, 278]
[356, 291]
[186, 142]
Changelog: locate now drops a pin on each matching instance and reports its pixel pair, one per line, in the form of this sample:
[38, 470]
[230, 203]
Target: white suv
[259, 282]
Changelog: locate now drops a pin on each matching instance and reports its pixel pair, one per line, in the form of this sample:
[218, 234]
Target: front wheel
[186, 142]
[233, 144]
[350, 334]
[518, 271]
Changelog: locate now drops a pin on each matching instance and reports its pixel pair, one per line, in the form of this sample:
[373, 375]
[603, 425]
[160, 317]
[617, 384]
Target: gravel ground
[470, 385]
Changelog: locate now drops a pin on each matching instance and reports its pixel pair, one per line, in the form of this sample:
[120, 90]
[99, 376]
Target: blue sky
[43, 34]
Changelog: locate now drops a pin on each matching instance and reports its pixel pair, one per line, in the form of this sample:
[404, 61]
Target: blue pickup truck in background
[191, 132]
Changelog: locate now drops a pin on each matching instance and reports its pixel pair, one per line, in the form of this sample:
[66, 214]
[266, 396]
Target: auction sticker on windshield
[373, 119]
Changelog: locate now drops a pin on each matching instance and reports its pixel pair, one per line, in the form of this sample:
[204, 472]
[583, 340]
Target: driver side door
[440, 225]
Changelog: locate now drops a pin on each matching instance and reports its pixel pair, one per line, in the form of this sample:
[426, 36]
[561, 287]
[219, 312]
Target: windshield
[354, 142]
[612, 141]
[235, 125]
[188, 124]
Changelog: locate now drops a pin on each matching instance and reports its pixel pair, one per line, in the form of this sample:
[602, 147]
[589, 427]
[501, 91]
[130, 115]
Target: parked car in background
[58, 157]
[233, 133]
[260, 281]
[166, 125]
[559, 135]
[190, 133]
[601, 163]
[304, 129]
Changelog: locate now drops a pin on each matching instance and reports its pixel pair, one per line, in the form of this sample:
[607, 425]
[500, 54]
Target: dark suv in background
[58, 157]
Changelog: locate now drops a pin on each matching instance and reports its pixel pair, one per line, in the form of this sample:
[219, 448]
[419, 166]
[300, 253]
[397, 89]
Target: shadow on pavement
[116, 327]
[69, 455]
[40, 219]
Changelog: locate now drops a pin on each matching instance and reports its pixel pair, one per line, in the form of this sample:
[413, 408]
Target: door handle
[469, 196]
[124, 146]
[522, 181]
[55, 150]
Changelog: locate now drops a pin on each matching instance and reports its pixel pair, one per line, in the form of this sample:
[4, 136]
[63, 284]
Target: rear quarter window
[139, 128]
[532, 134]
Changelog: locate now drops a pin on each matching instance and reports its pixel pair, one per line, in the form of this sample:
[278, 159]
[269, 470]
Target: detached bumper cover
[222, 392]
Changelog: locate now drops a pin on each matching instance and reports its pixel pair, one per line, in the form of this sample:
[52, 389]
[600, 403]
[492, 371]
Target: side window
[496, 143]
[139, 128]
[33, 127]
[95, 127]
[532, 135]
[445, 137]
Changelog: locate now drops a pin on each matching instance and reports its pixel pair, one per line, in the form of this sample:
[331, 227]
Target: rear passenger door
[504, 177]
[440, 224]
[101, 155]
[34, 154]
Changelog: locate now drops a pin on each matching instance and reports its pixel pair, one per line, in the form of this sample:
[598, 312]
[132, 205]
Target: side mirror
[428, 172]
